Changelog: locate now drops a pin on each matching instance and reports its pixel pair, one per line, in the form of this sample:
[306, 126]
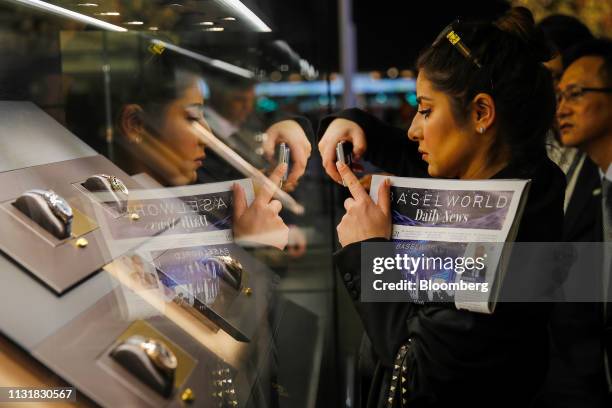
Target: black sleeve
[384, 322]
[388, 147]
[275, 259]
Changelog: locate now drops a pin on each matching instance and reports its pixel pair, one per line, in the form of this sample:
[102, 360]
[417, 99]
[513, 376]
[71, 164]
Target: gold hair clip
[455, 40]
[156, 48]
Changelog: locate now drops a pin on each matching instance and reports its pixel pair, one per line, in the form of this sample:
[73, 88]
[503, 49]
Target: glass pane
[126, 129]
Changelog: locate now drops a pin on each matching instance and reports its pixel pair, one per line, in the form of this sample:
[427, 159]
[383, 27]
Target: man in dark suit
[580, 372]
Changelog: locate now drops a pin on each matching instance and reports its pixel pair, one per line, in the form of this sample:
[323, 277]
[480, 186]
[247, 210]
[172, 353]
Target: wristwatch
[231, 270]
[116, 193]
[60, 207]
[150, 360]
[162, 357]
[116, 183]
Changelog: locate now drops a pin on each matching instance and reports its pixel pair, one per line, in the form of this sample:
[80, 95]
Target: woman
[483, 113]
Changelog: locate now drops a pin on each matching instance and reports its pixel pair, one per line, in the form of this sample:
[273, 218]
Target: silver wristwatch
[58, 205]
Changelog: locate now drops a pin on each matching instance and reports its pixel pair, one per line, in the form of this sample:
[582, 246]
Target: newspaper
[471, 219]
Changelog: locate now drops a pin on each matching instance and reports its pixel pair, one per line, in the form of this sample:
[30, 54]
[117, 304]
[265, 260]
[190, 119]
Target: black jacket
[457, 357]
[583, 217]
[577, 376]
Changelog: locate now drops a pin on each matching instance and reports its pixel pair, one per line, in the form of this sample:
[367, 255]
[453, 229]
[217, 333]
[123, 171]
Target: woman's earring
[137, 139]
[481, 130]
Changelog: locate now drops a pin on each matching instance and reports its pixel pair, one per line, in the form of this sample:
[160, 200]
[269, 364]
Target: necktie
[606, 203]
[606, 189]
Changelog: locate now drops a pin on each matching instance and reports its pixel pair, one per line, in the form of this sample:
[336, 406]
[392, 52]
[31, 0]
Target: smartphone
[344, 153]
[284, 153]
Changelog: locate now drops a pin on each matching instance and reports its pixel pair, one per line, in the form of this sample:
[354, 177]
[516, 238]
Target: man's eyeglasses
[575, 93]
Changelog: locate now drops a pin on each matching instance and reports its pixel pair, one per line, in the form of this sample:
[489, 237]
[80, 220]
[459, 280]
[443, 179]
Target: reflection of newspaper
[174, 217]
[438, 220]
[177, 223]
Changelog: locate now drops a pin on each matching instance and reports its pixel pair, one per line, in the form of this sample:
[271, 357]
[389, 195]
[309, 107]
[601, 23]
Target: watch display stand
[40, 211]
[60, 263]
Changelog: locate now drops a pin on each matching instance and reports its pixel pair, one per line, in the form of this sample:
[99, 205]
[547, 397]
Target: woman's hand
[341, 130]
[296, 246]
[364, 219]
[290, 132]
[260, 223]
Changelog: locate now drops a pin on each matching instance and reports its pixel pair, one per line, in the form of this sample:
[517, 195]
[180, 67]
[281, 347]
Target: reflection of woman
[154, 122]
[154, 113]
[156, 131]
[482, 114]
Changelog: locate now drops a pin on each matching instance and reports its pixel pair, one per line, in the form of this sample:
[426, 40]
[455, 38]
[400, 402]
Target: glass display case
[145, 257]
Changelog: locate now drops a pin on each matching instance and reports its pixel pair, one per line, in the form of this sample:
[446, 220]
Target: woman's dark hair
[162, 76]
[510, 52]
[156, 80]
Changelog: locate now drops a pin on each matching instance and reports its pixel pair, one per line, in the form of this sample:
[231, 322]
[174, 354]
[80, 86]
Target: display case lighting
[214, 29]
[246, 14]
[154, 28]
[109, 13]
[229, 19]
[73, 15]
[133, 23]
[87, 5]
[206, 23]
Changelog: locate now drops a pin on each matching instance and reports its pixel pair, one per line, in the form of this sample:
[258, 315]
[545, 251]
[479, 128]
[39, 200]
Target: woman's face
[176, 132]
[444, 144]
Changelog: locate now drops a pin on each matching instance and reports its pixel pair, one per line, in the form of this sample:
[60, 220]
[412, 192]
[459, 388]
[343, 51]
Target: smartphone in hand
[284, 154]
[344, 153]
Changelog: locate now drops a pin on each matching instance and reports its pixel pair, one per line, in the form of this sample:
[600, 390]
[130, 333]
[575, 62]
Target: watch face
[232, 270]
[59, 206]
[230, 262]
[161, 355]
[117, 185]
